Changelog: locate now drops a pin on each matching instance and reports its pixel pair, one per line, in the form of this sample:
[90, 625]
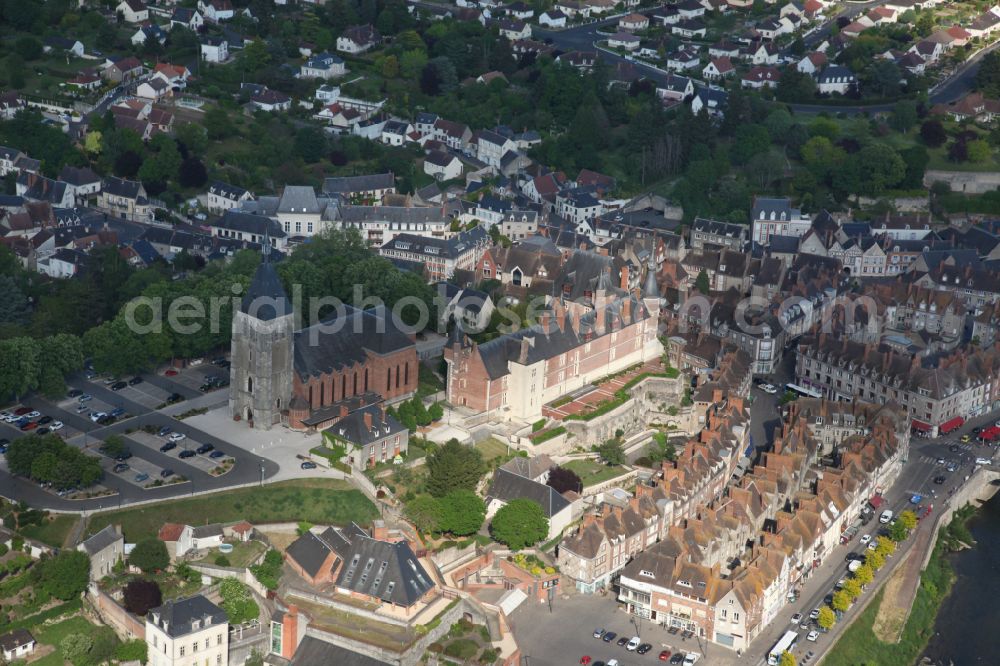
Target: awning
[876, 501]
[921, 426]
[953, 424]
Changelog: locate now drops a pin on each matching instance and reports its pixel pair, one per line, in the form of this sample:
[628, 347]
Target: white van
[885, 517]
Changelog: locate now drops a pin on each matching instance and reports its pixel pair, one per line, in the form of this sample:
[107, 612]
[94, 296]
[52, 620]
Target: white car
[56, 425]
[82, 409]
[96, 416]
[865, 538]
[983, 461]
[690, 659]
[612, 662]
[796, 618]
[814, 614]
[177, 436]
[872, 546]
[812, 636]
[769, 388]
[33, 415]
[885, 517]
[633, 644]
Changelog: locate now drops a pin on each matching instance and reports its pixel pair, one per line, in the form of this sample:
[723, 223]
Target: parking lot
[195, 377]
[200, 461]
[547, 638]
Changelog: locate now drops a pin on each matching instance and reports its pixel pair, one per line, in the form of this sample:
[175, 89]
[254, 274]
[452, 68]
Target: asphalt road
[247, 468]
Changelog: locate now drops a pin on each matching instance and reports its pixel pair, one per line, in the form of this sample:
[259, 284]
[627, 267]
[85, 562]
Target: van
[885, 517]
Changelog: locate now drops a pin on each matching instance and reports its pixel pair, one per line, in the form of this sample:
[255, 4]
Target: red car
[21, 411]
[665, 655]
[584, 661]
[170, 373]
[30, 425]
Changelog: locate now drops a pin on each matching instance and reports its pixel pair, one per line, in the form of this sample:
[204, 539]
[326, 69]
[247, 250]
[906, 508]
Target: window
[181, 650]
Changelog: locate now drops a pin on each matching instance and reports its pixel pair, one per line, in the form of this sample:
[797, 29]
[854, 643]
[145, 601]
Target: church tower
[262, 350]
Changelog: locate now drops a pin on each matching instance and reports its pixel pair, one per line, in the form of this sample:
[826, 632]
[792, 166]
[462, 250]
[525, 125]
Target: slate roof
[389, 571]
[309, 551]
[312, 651]
[353, 428]
[249, 223]
[336, 345]
[101, 540]
[450, 248]
[226, 190]
[364, 183]
[14, 639]
[266, 298]
[508, 486]
[120, 187]
[175, 617]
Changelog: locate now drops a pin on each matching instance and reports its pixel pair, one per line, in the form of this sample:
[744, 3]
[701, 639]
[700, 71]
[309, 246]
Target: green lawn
[319, 501]
[242, 556]
[429, 383]
[55, 633]
[491, 448]
[592, 472]
[53, 531]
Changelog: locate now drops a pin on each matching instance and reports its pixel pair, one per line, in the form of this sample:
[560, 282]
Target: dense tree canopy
[454, 466]
[519, 524]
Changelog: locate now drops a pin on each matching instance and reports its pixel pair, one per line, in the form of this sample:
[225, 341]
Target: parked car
[609, 636]
[885, 517]
[116, 412]
[44, 420]
[167, 447]
[691, 658]
[82, 409]
[74, 393]
[677, 658]
[796, 618]
[983, 461]
[623, 641]
[97, 416]
[177, 436]
[33, 414]
[86, 397]
[664, 655]
[205, 448]
[215, 455]
[121, 467]
[166, 472]
[118, 386]
[163, 432]
[812, 636]
[174, 397]
[42, 431]
[141, 476]
[56, 425]
[598, 633]
[30, 425]
[814, 614]
[124, 455]
[938, 480]
[187, 453]
[644, 648]
[865, 538]
[170, 373]
[135, 380]
[633, 643]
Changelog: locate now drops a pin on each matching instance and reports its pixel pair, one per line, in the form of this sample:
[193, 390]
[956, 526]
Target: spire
[457, 336]
[651, 289]
[266, 248]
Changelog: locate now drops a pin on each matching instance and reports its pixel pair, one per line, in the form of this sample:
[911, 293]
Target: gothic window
[397, 376]
[366, 380]
[355, 392]
[406, 374]
[310, 396]
[249, 384]
[343, 386]
[388, 378]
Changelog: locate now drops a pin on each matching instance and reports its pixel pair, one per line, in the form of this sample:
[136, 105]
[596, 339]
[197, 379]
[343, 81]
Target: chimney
[624, 278]
[627, 310]
[522, 357]
[379, 531]
[343, 410]
[290, 632]
[545, 320]
[368, 420]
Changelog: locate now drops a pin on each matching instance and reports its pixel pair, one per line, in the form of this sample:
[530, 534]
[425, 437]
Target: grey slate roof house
[104, 549]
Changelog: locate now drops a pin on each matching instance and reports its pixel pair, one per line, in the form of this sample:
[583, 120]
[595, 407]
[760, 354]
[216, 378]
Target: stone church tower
[262, 351]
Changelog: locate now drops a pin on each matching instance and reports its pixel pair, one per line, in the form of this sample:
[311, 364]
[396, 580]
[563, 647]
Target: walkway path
[902, 590]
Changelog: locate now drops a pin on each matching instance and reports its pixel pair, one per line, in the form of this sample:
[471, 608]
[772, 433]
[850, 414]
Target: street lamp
[261, 472]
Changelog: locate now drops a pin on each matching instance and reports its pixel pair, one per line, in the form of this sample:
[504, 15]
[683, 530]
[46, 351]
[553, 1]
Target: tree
[988, 76]
[192, 173]
[66, 575]
[113, 446]
[852, 587]
[907, 519]
[463, 512]
[141, 595]
[134, 650]
[426, 513]
[237, 601]
[310, 143]
[454, 466]
[787, 659]
[76, 648]
[822, 157]
[436, 411]
[254, 55]
[979, 151]
[519, 524]
[904, 116]
[932, 131]
[884, 76]
[842, 601]
[28, 47]
[898, 532]
[150, 555]
[611, 452]
[886, 546]
[874, 559]
[864, 574]
[916, 159]
[701, 282]
[750, 140]
[880, 168]
[827, 618]
[563, 479]
[217, 123]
